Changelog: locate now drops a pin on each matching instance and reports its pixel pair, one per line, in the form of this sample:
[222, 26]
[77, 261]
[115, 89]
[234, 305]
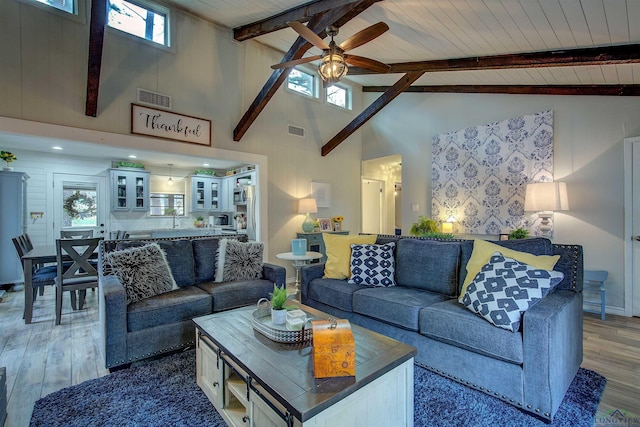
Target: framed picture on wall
[325, 224]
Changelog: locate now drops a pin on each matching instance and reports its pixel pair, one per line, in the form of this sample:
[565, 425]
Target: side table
[299, 261]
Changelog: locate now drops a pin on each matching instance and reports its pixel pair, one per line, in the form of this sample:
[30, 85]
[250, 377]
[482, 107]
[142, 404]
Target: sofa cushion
[143, 271]
[333, 292]
[452, 323]
[179, 254]
[396, 305]
[372, 265]
[175, 306]
[227, 295]
[428, 264]
[204, 257]
[238, 260]
[537, 252]
[505, 288]
[338, 250]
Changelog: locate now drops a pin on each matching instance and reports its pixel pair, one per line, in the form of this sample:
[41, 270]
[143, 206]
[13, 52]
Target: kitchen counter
[186, 232]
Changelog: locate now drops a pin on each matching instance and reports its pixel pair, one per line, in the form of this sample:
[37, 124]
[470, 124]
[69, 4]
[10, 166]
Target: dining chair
[79, 274]
[42, 276]
[76, 234]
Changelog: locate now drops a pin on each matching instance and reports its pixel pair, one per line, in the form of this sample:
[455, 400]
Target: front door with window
[79, 204]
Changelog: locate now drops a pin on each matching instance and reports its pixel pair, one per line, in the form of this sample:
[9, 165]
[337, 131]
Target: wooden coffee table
[254, 381]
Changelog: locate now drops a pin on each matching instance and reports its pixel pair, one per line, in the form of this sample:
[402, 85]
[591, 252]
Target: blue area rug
[164, 393]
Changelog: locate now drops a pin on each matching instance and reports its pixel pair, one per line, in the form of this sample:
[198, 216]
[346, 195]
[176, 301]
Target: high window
[339, 96]
[68, 6]
[140, 18]
[301, 82]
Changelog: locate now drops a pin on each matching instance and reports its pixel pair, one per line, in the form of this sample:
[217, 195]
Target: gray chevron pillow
[143, 271]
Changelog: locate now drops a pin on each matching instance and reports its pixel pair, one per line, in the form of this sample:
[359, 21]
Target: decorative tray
[261, 322]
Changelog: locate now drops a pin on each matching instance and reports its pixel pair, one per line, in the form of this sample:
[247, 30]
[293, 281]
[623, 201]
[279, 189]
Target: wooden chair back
[76, 234]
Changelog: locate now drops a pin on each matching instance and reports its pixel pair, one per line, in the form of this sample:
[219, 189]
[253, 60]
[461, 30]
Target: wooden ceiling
[481, 46]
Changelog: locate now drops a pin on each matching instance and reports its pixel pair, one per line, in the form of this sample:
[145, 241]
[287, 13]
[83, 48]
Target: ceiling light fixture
[56, 147]
[170, 181]
[133, 156]
[332, 67]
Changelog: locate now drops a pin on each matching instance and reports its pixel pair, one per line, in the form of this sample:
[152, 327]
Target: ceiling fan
[334, 60]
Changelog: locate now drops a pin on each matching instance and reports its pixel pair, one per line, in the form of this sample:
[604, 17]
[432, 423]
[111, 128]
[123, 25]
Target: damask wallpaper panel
[479, 174]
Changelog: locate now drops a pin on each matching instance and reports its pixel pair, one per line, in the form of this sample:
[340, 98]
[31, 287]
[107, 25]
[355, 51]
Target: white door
[635, 226]
[79, 203]
[372, 206]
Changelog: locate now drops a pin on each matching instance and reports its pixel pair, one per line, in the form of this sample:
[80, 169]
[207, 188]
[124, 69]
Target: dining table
[42, 254]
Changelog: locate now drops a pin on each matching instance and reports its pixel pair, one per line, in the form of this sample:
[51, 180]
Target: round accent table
[299, 261]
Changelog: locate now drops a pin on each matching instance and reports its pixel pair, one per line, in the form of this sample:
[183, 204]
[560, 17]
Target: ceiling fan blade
[296, 62]
[308, 35]
[368, 63]
[364, 36]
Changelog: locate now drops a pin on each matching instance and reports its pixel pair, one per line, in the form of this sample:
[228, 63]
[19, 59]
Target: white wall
[588, 142]
[43, 72]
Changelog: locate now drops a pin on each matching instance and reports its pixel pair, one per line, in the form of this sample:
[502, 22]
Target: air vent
[154, 98]
[296, 131]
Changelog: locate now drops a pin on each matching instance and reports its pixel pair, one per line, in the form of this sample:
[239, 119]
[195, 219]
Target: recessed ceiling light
[133, 156]
[56, 147]
[206, 164]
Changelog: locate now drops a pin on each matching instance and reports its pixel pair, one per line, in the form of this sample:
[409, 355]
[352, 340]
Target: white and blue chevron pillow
[505, 288]
[373, 265]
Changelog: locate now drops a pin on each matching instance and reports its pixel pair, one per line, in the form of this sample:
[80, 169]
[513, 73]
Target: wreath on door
[80, 205]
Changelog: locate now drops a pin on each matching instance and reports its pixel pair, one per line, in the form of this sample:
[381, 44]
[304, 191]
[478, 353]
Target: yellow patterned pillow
[482, 251]
[338, 248]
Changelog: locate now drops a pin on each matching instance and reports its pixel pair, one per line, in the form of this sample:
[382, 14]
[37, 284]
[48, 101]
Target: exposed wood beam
[621, 54]
[318, 24]
[384, 99]
[606, 90]
[96, 39]
[277, 22]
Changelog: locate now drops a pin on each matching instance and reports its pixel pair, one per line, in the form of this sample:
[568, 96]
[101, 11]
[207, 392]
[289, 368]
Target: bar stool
[595, 279]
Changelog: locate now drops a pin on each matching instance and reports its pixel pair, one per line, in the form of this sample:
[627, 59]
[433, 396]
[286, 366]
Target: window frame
[316, 84]
[349, 96]
[79, 6]
[170, 205]
[167, 11]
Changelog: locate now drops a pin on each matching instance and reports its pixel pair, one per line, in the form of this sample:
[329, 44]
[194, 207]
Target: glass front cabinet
[206, 194]
[129, 190]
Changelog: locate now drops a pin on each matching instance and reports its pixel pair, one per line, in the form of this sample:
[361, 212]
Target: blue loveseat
[531, 368]
[163, 323]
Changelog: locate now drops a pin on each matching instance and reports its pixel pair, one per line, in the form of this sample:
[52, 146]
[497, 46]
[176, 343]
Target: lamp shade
[307, 206]
[546, 196]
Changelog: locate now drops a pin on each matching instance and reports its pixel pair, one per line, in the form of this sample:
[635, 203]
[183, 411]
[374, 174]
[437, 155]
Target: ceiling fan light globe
[332, 68]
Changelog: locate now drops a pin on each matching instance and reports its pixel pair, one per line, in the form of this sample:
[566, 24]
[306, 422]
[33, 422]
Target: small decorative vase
[278, 317]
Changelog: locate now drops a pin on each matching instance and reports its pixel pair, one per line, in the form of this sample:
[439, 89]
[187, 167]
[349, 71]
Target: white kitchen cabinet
[206, 194]
[13, 190]
[129, 190]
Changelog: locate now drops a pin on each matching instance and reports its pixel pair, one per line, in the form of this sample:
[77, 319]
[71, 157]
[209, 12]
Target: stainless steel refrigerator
[250, 191]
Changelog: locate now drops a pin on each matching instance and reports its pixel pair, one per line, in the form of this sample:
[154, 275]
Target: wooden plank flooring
[42, 358]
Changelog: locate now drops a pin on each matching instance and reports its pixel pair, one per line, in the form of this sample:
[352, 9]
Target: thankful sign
[163, 124]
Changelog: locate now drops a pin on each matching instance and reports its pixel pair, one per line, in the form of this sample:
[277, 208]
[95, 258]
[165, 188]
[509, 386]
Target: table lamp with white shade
[545, 198]
[307, 206]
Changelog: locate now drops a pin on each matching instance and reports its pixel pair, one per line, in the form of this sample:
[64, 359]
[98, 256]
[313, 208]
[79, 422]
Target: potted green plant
[519, 233]
[427, 227]
[278, 310]
[199, 222]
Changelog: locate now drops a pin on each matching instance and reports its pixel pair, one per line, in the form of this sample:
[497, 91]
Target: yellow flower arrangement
[338, 218]
[7, 156]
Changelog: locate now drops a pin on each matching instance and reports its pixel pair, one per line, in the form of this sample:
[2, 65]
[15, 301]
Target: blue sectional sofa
[531, 368]
[163, 323]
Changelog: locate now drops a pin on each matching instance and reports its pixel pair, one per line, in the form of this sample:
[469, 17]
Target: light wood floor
[41, 358]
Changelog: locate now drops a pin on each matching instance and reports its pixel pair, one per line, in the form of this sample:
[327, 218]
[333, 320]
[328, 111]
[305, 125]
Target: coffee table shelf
[233, 361]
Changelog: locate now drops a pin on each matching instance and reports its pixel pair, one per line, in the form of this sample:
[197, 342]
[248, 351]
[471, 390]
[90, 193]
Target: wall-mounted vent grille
[296, 131]
[154, 98]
